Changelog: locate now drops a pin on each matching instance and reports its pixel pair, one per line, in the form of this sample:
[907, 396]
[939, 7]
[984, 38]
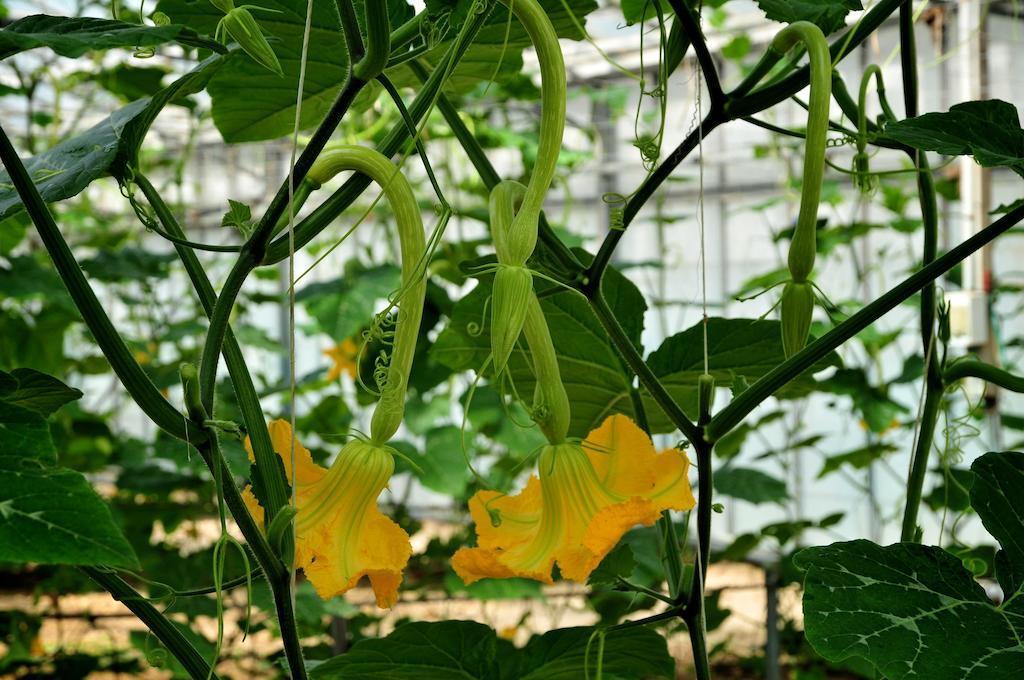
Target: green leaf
[593, 374]
[572, 653]
[828, 15]
[750, 485]
[74, 36]
[879, 410]
[618, 564]
[442, 465]
[634, 11]
[446, 650]
[36, 391]
[454, 650]
[107, 148]
[240, 116]
[858, 458]
[989, 130]
[131, 82]
[997, 495]
[53, 516]
[737, 348]
[25, 433]
[344, 306]
[914, 611]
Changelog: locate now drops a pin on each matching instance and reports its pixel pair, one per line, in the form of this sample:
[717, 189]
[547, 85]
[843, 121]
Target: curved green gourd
[797, 305]
[803, 247]
[522, 237]
[387, 416]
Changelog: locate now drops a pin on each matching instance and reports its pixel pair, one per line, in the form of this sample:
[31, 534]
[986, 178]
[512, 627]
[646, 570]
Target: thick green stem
[241, 379]
[134, 379]
[972, 368]
[378, 41]
[733, 414]
[165, 631]
[933, 387]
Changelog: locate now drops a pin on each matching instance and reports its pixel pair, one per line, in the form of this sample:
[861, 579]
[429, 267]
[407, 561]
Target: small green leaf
[36, 391]
[239, 216]
[53, 516]
[989, 130]
[858, 458]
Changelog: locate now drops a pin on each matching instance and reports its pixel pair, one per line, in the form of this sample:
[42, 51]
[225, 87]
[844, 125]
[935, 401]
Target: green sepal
[242, 27]
[797, 310]
[509, 303]
[279, 536]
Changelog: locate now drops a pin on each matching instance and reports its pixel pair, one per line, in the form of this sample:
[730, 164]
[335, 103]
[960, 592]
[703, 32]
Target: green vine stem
[740, 407]
[933, 384]
[378, 41]
[134, 379]
[387, 417]
[972, 368]
[165, 631]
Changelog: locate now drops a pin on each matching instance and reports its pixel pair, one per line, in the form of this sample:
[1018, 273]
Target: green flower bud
[510, 298]
[797, 310]
[243, 29]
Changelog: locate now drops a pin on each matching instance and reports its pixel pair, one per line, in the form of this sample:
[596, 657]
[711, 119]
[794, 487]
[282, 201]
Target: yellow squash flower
[584, 498]
[341, 536]
[345, 358]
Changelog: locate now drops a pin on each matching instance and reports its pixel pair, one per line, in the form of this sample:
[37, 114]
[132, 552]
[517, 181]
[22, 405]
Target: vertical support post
[771, 646]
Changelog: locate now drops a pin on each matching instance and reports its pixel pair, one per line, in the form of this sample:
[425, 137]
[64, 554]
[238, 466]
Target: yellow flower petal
[577, 508]
[345, 359]
[505, 521]
[341, 536]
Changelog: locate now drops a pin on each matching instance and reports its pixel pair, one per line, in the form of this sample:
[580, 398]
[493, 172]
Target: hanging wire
[292, 387]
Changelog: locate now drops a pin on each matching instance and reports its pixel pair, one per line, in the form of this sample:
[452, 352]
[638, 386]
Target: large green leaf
[828, 15]
[988, 130]
[53, 516]
[594, 376]
[447, 650]
[739, 350]
[107, 148]
[35, 391]
[251, 104]
[570, 653]
[914, 611]
[465, 650]
[74, 36]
